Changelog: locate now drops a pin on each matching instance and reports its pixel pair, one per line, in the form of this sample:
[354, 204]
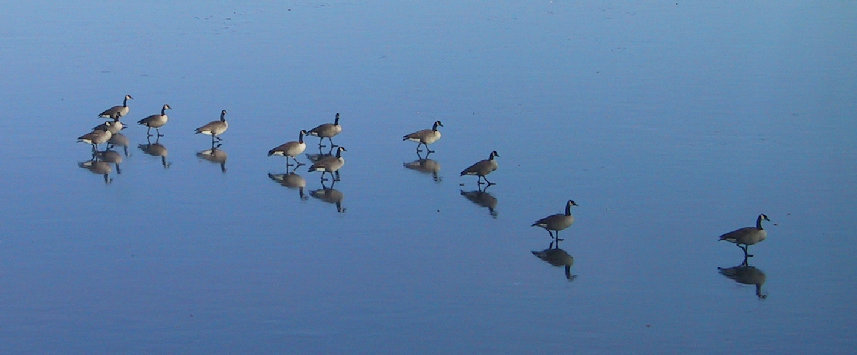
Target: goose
[117, 111]
[95, 138]
[215, 128]
[482, 168]
[557, 222]
[291, 149]
[330, 164]
[747, 235]
[114, 127]
[156, 121]
[425, 136]
[557, 257]
[326, 130]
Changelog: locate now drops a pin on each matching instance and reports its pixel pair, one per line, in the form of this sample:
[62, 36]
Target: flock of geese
[331, 164]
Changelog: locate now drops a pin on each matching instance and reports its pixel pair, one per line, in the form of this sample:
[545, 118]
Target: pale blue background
[668, 123]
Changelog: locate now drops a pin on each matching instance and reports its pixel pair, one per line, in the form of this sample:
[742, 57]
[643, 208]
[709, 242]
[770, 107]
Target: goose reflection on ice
[557, 257]
[425, 166]
[99, 168]
[482, 198]
[110, 156]
[156, 150]
[119, 139]
[746, 275]
[214, 155]
[329, 195]
[291, 180]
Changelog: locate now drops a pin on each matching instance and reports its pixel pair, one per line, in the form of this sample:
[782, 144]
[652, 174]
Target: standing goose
[747, 235]
[291, 149]
[425, 136]
[215, 128]
[557, 222]
[482, 168]
[95, 138]
[156, 121]
[330, 164]
[117, 110]
[326, 130]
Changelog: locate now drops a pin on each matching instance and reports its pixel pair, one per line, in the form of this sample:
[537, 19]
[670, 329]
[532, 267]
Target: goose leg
[331, 142]
[148, 131]
[158, 130]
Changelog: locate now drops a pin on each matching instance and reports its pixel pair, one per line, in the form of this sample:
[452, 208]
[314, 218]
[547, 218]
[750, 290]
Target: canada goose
[292, 181]
[214, 155]
[291, 149]
[326, 130]
[330, 164]
[557, 222]
[95, 138]
[747, 235]
[116, 112]
[156, 121]
[747, 275]
[215, 128]
[99, 168]
[425, 136]
[557, 257]
[482, 168]
[113, 126]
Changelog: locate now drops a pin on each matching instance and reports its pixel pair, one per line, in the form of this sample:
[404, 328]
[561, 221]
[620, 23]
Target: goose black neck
[301, 137]
[222, 116]
[568, 209]
[336, 120]
[759, 222]
[125, 101]
[339, 153]
[163, 110]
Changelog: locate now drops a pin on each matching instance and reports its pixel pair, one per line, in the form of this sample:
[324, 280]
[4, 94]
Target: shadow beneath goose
[120, 140]
[110, 156]
[557, 257]
[746, 274]
[156, 150]
[98, 167]
[330, 195]
[214, 155]
[426, 166]
[291, 180]
[482, 198]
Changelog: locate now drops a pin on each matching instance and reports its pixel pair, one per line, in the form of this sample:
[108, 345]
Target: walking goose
[326, 130]
[215, 128]
[291, 149]
[425, 136]
[330, 164]
[557, 222]
[482, 168]
[747, 235]
[117, 110]
[95, 138]
[156, 121]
